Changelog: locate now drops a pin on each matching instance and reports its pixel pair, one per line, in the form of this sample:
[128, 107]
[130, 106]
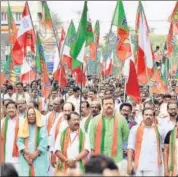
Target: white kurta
[6, 96]
[73, 148]
[10, 143]
[148, 154]
[166, 125]
[20, 96]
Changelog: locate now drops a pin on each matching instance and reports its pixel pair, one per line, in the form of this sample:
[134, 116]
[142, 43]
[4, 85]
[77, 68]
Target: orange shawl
[99, 137]
[139, 138]
[51, 119]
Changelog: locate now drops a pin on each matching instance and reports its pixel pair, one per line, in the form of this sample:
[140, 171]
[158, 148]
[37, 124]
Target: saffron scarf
[172, 153]
[51, 121]
[100, 138]
[139, 138]
[15, 152]
[56, 133]
[65, 141]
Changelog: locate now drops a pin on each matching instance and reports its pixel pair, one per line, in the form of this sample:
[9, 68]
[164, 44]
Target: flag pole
[81, 91]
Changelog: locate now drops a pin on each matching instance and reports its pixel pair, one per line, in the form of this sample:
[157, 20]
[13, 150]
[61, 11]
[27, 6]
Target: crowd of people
[91, 130]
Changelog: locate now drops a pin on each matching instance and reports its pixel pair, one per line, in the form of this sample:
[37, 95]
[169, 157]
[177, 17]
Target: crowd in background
[91, 130]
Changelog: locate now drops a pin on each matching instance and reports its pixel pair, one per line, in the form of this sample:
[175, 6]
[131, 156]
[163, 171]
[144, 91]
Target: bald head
[68, 108]
[57, 104]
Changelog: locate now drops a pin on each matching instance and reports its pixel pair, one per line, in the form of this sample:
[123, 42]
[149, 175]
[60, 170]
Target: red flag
[145, 57]
[60, 76]
[80, 76]
[132, 87]
[61, 42]
[67, 60]
[25, 37]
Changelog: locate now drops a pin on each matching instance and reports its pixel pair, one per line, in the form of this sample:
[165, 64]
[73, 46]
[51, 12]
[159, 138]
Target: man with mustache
[108, 131]
[20, 94]
[9, 131]
[169, 123]
[95, 108]
[72, 145]
[171, 148]
[144, 145]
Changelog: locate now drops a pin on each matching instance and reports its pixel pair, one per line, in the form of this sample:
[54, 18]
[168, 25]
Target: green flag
[7, 64]
[46, 20]
[71, 35]
[78, 48]
[119, 18]
[37, 60]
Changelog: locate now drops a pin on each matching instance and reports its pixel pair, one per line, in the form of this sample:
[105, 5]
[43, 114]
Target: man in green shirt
[108, 131]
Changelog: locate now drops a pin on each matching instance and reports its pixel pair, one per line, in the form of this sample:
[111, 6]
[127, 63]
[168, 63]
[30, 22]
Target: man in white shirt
[21, 106]
[9, 93]
[86, 116]
[9, 131]
[76, 145]
[20, 94]
[75, 98]
[145, 144]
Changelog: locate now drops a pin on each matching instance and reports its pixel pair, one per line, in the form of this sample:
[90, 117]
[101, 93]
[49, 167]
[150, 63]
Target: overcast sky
[157, 13]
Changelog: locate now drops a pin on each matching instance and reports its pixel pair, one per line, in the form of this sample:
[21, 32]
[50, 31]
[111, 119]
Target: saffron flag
[123, 48]
[25, 38]
[144, 60]
[94, 45]
[3, 78]
[174, 18]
